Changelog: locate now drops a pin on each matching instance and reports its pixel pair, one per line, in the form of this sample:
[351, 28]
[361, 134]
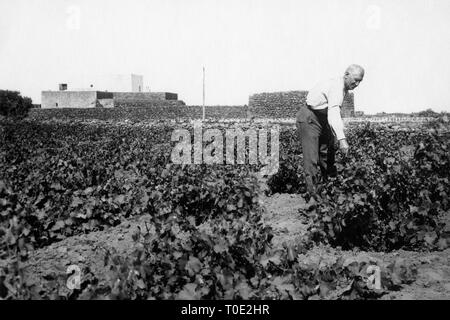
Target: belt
[321, 112]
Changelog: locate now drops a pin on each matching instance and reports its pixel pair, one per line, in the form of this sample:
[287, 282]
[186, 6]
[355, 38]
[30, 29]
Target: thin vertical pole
[203, 93]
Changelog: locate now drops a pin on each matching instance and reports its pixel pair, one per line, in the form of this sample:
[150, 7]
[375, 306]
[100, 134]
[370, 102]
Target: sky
[246, 47]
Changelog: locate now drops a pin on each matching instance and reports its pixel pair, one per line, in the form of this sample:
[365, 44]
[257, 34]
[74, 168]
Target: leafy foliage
[13, 105]
[390, 193]
[61, 180]
[290, 176]
[214, 256]
[207, 239]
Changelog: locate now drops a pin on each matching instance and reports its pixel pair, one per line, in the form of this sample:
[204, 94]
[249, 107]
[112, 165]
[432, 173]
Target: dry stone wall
[135, 114]
[286, 104]
[225, 112]
[147, 103]
[144, 96]
[140, 113]
[146, 99]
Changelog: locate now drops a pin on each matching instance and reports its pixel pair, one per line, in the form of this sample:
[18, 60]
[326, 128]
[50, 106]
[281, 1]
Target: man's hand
[343, 145]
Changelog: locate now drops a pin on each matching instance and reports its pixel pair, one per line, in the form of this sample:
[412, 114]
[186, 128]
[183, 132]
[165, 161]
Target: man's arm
[335, 99]
[335, 121]
[337, 126]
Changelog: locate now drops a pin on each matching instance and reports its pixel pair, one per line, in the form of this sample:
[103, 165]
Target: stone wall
[146, 113]
[135, 114]
[142, 96]
[171, 96]
[224, 112]
[147, 103]
[104, 95]
[348, 107]
[286, 104]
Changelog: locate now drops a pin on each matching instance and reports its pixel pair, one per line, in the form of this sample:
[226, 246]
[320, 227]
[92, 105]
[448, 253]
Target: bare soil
[433, 278]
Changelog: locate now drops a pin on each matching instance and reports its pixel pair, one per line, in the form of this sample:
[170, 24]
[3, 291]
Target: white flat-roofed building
[76, 99]
[110, 83]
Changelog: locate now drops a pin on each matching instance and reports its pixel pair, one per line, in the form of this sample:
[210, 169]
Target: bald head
[354, 74]
[355, 69]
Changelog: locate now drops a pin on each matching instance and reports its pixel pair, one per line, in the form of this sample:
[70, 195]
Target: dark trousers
[318, 144]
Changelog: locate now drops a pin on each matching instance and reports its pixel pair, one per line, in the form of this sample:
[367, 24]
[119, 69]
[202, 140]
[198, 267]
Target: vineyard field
[106, 197]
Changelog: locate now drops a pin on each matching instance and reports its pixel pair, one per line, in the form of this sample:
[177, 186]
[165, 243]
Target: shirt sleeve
[335, 97]
[335, 121]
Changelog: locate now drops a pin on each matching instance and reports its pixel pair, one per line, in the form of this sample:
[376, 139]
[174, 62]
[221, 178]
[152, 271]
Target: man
[319, 124]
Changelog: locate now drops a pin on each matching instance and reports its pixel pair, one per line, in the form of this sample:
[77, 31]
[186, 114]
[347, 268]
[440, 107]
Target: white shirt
[329, 94]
